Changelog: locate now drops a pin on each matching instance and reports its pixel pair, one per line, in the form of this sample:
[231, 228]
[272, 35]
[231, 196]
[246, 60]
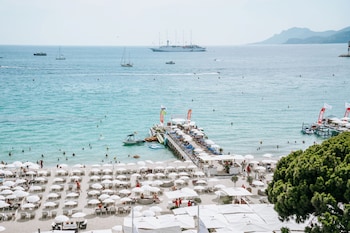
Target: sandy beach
[108, 184]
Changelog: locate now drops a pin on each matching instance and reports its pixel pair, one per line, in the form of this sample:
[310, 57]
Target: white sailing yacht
[60, 56]
[124, 62]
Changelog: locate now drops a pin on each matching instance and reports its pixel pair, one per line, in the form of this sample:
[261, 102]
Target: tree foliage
[315, 183]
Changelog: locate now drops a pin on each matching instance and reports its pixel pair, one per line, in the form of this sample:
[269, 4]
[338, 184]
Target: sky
[152, 22]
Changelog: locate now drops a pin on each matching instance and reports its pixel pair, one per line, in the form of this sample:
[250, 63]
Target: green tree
[315, 182]
[234, 179]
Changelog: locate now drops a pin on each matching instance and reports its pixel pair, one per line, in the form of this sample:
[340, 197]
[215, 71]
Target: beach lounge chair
[83, 224]
[44, 214]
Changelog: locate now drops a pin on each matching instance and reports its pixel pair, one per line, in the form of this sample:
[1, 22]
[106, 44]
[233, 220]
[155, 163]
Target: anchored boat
[131, 140]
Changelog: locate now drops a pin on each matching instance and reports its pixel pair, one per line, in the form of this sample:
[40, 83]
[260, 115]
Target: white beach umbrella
[97, 186]
[124, 191]
[108, 201]
[94, 192]
[33, 198]
[35, 188]
[70, 203]
[103, 196]
[95, 178]
[52, 195]
[3, 204]
[9, 183]
[49, 204]
[27, 206]
[258, 183]
[6, 192]
[78, 215]
[94, 202]
[108, 191]
[268, 155]
[72, 195]
[61, 219]
[55, 187]
[20, 193]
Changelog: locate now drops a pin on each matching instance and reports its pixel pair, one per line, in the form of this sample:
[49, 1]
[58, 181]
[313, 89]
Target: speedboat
[132, 140]
[170, 62]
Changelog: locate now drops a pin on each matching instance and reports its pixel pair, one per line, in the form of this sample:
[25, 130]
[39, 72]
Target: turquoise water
[248, 99]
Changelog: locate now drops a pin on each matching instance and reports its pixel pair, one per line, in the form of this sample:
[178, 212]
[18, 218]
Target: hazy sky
[148, 22]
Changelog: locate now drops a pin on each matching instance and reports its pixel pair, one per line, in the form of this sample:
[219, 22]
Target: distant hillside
[306, 36]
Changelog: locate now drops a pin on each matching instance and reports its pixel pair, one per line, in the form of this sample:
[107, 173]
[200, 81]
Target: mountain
[306, 36]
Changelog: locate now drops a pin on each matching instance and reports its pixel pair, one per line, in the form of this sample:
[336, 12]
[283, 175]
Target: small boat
[60, 56]
[170, 62]
[132, 140]
[124, 62]
[155, 146]
[40, 54]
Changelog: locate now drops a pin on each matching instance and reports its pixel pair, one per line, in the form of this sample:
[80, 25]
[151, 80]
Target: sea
[249, 99]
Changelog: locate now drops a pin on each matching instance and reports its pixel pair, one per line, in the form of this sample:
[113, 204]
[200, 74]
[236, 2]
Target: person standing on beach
[78, 186]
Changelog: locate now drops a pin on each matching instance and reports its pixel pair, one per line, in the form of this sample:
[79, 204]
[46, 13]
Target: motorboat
[179, 48]
[170, 62]
[131, 140]
[40, 54]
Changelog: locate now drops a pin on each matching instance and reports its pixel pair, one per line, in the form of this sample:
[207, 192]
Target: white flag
[347, 105]
[327, 106]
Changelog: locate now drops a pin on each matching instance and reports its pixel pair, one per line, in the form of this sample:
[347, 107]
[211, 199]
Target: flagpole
[198, 219]
[132, 219]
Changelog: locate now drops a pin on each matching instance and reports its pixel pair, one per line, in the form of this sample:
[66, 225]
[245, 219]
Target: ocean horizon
[248, 99]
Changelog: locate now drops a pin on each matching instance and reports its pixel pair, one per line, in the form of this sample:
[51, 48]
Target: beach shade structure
[258, 183]
[40, 179]
[28, 206]
[182, 193]
[6, 192]
[50, 204]
[35, 188]
[53, 195]
[56, 187]
[260, 169]
[268, 155]
[78, 215]
[199, 188]
[214, 221]
[156, 209]
[125, 200]
[108, 201]
[219, 186]
[97, 186]
[94, 202]
[61, 219]
[236, 192]
[249, 157]
[33, 198]
[106, 177]
[199, 174]
[103, 196]
[114, 197]
[125, 192]
[122, 177]
[117, 229]
[59, 180]
[20, 181]
[3, 205]
[70, 204]
[95, 178]
[20, 194]
[94, 193]
[9, 183]
[184, 221]
[148, 213]
[201, 182]
[108, 191]
[72, 195]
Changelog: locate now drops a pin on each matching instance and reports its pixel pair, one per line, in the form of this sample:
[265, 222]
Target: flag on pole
[327, 106]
